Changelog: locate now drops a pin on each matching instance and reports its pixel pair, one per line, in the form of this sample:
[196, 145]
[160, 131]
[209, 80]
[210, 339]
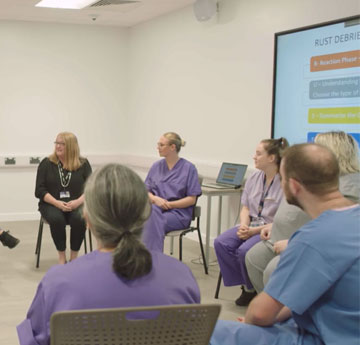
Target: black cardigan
[48, 180]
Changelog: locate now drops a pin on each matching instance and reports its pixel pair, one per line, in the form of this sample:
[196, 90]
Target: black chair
[39, 239]
[218, 286]
[190, 324]
[182, 232]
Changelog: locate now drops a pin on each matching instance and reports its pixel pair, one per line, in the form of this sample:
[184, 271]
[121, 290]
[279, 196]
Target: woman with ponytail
[260, 200]
[121, 272]
[173, 187]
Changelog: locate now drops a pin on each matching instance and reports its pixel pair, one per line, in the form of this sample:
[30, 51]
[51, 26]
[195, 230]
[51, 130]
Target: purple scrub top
[179, 182]
[252, 193]
[90, 283]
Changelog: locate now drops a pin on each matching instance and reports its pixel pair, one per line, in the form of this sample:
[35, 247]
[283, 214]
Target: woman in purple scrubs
[260, 200]
[121, 272]
[173, 187]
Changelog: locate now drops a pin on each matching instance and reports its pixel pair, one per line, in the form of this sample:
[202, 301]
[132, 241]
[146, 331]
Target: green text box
[349, 115]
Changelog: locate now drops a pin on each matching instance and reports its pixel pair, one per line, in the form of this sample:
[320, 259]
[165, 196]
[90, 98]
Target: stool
[39, 239]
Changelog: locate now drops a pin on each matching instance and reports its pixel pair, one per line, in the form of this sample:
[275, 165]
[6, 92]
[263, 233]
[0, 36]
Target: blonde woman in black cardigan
[59, 186]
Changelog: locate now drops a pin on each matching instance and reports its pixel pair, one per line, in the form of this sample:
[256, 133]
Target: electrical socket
[34, 160]
[10, 160]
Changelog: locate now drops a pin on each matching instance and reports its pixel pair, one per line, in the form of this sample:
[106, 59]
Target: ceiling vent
[112, 2]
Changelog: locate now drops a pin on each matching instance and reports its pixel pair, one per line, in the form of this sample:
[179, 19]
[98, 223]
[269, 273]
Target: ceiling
[124, 15]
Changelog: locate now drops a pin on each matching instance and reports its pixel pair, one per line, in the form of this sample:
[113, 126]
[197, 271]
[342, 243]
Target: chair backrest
[190, 324]
[196, 212]
[197, 209]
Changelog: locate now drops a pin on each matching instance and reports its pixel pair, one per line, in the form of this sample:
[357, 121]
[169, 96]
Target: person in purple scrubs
[121, 272]
[260, 200]
[173, 187]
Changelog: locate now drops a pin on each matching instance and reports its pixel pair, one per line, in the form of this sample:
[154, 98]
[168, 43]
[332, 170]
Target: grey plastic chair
[190, 324]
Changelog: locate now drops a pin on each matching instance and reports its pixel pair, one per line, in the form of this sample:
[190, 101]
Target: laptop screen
[232, 173]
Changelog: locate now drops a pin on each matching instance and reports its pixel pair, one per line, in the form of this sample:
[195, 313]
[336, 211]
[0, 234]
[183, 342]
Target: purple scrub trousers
[231, 251]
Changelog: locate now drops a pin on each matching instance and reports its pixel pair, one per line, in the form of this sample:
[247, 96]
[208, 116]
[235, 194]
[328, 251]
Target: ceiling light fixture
[68, 4]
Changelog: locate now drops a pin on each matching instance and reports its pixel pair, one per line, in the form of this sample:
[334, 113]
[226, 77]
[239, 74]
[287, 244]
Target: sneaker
[8, 240]
[245, 298]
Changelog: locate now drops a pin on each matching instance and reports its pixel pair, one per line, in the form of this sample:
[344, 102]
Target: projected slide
[317, 81]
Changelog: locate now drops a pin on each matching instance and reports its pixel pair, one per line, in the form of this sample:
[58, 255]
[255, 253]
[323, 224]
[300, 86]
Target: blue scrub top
[318, 277]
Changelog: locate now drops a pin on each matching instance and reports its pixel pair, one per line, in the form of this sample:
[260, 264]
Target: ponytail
[283, 143]
[131, 259]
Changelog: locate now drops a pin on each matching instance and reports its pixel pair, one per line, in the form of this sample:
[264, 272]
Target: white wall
[56, 77]
[61, 77]
[119, 90]
[212, 81]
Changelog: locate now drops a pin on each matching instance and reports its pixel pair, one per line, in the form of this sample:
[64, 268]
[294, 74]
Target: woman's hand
[244, 232]
[63, 206]
[280, 246]
[162, 203]
[73, 204]
[265, 233]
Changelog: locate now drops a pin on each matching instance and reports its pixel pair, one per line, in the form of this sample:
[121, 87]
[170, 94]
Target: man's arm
[265, 311]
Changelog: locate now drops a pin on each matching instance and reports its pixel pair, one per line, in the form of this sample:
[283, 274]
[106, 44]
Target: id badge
[269, 199]
[64, 194]
[257, 221]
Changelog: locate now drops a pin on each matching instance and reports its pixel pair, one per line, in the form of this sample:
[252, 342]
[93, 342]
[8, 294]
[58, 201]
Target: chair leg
[180, 246]
[90, 241]
[202, 251]
[38, 242]
[171, 245]
[41, 224]
[85, 244]
[218, 286]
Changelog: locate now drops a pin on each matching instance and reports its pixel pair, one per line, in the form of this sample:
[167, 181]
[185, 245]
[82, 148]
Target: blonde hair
[73, 160]
[345, 149]
[175, 139]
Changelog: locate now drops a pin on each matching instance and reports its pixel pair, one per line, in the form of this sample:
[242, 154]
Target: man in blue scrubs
[313, 297]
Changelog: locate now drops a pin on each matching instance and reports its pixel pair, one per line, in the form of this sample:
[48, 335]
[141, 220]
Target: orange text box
[335, 61]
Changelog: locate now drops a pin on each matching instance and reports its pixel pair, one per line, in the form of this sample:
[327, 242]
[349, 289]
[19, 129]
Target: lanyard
[264, 195]
[64, 179]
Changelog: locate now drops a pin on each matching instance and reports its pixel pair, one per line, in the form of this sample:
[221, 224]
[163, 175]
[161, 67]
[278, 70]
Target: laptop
[231, 176]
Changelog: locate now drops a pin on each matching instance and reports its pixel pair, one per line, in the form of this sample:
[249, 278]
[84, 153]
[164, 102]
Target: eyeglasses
[162, 145]
[58, 143]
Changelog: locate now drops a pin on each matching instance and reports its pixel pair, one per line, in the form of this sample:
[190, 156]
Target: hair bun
[283, 143]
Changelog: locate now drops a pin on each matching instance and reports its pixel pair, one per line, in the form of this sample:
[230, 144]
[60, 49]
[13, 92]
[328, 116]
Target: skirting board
[19, 217]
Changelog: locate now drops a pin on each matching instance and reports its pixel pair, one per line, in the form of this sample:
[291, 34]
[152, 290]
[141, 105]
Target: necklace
[64, 179]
